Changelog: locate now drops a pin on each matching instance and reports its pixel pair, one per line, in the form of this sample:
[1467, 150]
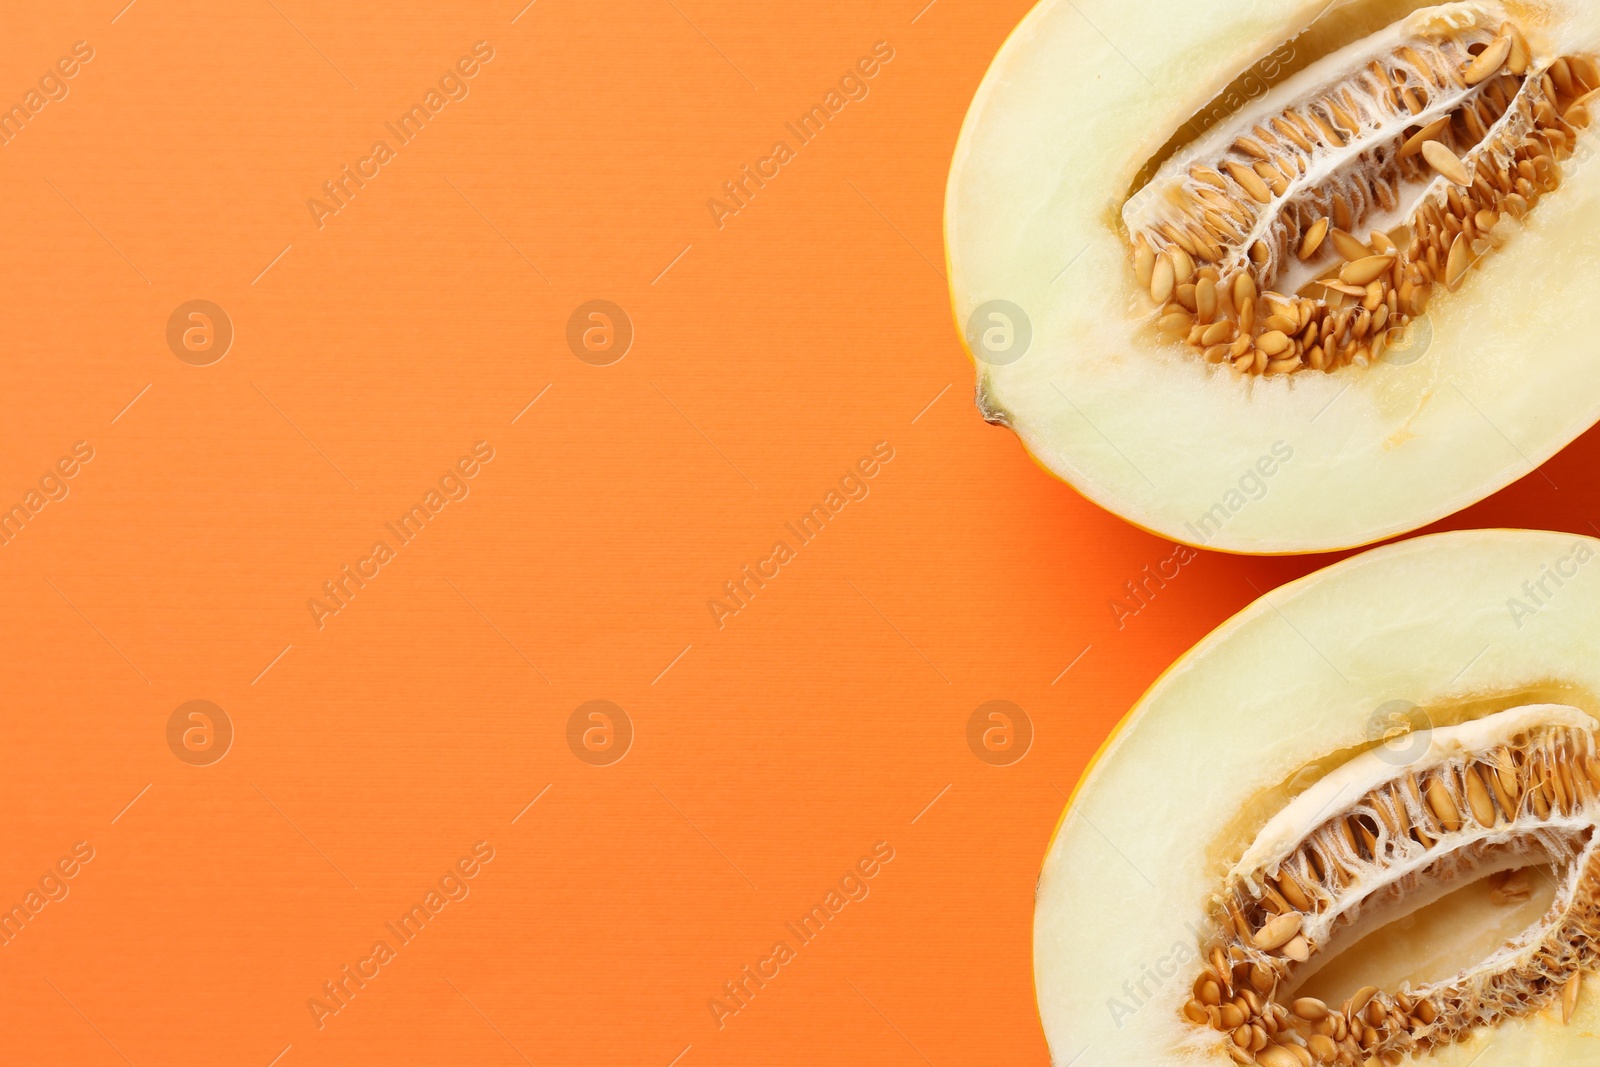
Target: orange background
[768, 756]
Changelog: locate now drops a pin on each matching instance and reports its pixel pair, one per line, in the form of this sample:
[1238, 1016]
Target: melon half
[1354, 825]
[1276, 277]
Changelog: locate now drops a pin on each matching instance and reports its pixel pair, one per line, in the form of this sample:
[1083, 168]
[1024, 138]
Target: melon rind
[1294, 678]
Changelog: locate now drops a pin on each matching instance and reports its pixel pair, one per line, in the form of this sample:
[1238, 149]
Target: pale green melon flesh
[1057, 133]
[1462, 930]
[1462, 625]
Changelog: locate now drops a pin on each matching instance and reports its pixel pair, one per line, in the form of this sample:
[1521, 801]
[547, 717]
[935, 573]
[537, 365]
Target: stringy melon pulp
[1078, 158]
[1367, 802]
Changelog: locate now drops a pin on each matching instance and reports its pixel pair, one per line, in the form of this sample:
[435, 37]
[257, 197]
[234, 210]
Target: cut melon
[1355, 825]
[1284, 277]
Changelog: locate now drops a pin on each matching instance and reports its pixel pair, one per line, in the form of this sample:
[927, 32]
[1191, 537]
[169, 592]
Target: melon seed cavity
[1297, 233]
[1371, 840]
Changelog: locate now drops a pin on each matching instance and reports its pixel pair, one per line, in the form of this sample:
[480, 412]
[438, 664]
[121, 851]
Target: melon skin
[1207, 756]
[1057, 132]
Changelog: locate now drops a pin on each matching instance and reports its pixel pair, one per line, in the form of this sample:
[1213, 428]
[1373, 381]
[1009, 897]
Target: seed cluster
[1467, 118]
[1538, 796]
